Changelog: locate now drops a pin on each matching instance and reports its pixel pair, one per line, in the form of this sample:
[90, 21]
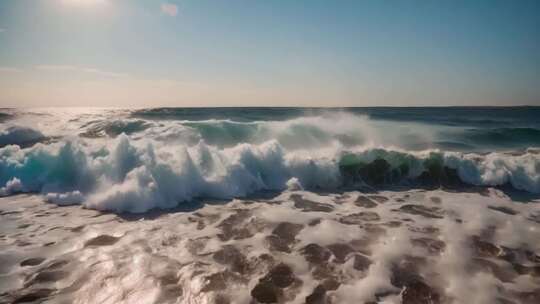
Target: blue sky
[269, 53]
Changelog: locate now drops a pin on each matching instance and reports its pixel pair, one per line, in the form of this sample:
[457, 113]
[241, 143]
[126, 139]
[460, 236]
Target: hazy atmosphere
[268, 53]
[270, 151]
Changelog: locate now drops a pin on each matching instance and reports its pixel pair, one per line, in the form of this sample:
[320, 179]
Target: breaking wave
[102, 128]
[315, 128]
[5, 116]
[22, 136]
[123, 174]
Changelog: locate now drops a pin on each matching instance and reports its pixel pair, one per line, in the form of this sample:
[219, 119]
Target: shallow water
[299, 247]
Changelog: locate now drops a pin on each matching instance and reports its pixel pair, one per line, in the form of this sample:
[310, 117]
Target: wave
[123, 174]
[225, 132]
[503, 136]
[113, 128]
[452, 116]
[5, 116]
[314, 131]
[332, 128]
[243, 114]
[22, 136]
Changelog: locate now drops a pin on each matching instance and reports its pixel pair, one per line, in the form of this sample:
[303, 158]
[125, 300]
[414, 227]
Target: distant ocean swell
[125, 174]
[345, 129]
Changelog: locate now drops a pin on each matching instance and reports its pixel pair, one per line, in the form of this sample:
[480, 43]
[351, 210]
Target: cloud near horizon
[86, 70]
[60, 85]
[9, 69]
[169, 9]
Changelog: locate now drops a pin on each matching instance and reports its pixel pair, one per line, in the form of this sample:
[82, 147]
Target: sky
[146, 53]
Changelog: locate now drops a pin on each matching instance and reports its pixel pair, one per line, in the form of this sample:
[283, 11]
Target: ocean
[270, 205]
[77, 155]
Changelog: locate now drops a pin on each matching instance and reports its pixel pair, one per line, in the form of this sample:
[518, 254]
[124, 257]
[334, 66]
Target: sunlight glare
[84, 2]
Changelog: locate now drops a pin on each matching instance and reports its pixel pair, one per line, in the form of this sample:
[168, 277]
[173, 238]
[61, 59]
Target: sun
[84, 2]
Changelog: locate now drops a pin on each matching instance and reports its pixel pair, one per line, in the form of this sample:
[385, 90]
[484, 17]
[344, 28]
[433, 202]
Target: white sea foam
[109, 160]
[161, 163]
[12, 186]
[68, 198]
[137, 175]
[172, 258]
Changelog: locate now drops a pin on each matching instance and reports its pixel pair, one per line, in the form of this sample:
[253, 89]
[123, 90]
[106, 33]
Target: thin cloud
[2, 30]
[9, 70]
[86, 70]
[169, 9]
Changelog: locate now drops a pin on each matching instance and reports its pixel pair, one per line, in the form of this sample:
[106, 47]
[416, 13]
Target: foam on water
[445, 247]
[115, 160]
[127, 175]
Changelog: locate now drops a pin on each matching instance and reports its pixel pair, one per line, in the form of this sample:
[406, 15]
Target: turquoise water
[465, 129]
[138, 159]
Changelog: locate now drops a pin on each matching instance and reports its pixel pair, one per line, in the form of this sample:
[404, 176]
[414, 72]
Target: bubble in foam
[12, 186]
